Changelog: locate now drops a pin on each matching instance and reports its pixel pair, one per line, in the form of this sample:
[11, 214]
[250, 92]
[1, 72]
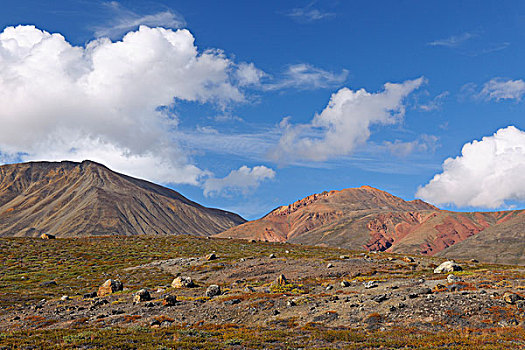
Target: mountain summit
[72, 199]
[371, 219]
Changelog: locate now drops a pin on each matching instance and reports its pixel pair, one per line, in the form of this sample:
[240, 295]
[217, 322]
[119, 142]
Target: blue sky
[248, 105]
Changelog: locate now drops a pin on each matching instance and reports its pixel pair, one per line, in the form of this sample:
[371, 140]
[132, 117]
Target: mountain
[368, 218]
[501, 244]
[72, 199]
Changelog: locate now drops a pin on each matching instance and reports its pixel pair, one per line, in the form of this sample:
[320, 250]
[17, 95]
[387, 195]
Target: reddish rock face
[368, 218]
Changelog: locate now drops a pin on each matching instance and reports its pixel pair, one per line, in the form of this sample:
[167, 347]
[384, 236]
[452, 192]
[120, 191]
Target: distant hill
[368, 218]
[78, 199]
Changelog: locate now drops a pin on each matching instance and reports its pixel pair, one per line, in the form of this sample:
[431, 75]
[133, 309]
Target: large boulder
[447, 267]
[109, 287]
[182, 282]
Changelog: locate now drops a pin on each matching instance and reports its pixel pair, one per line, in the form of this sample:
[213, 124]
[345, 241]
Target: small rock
[329, 266]
[345, 284]
[287, 251]
[408, 259]
[64, 298]
[182, 282]
[370, 284]
[453, 278]
[447, 267]
[141, 295]
[474, 261]
[511, 298]
[281, 281]
[149, 304]
[290, 303]
[160, 290]
[380, 298]
[213, 290]
[272, 256]
[232, 302]
[155, 323]
[343, 257]
[211, 256]
[249, 289]
[90, 295]
[329, 287]
[169, 300]
[47, 236]
[48, 284]
[276, 312]
[109, 287]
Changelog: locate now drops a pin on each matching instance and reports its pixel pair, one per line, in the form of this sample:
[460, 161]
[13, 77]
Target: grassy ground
[80, 265]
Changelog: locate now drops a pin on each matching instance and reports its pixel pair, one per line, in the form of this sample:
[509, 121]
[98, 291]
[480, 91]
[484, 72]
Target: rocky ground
[281, 290]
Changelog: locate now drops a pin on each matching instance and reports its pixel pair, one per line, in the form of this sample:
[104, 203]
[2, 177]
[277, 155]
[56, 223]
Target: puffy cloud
[501, 89]
[453, 41]
[486, 174]
[344, 123]
[305, 76]
[106, 101]
[125, 20]
[242, 180]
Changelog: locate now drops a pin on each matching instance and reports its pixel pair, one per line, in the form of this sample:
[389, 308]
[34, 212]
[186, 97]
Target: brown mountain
[372, 219]
[70, 199]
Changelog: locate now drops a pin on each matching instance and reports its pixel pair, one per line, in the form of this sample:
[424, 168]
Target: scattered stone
[380, 298]
[275, 312]
[160, 290]
[272, 256]
[211, 256]
[343, 257]
[439, 287]
[48, 284]
[213, 290]
[249, 289]
[447, 267]
[149, 304]
[182, 282]
[291, 303]
[141, 295]
[345, 284]
[408, 259]
[511, 298]
[90, 295]
[329, 266]
[370, 284]
[474, 261]
[390, 258]
[64, 298]
[169, 300]
[329, 287]
[453, 278]
[287, 251]
[109, 287]
[47, 236]
[281, 281]
[232, 302]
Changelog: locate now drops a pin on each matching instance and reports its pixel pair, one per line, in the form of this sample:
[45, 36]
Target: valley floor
[331, 298]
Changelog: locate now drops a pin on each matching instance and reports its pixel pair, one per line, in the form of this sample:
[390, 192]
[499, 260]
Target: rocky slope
[70, 199]
[372, 219]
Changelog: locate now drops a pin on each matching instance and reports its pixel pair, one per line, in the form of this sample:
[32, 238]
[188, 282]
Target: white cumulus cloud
[105, 101]
[344, 123]
[486, 174]
[242, 180]
[500, 89]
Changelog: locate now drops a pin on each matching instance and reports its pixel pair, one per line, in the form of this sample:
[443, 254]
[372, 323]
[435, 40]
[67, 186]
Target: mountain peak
[70, 199]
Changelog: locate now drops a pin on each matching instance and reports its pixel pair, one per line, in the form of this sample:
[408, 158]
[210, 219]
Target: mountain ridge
[368, 218]
[75, 199]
